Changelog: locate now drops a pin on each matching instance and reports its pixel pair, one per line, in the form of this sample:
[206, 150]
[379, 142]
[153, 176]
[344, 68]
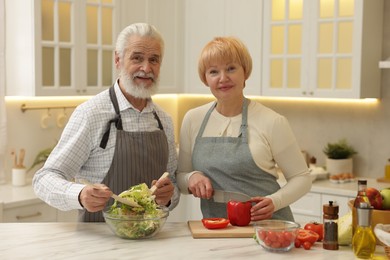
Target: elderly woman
[235, 143]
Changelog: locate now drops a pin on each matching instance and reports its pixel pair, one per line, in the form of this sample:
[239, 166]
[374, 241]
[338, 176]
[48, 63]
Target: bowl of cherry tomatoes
[276, 235]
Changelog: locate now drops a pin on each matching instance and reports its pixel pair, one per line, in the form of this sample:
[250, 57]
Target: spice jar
[330, 217]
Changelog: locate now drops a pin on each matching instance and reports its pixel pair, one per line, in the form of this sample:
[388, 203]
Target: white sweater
[271, 142]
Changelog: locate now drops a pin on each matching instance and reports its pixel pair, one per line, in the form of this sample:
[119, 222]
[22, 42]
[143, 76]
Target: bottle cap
[364, 182]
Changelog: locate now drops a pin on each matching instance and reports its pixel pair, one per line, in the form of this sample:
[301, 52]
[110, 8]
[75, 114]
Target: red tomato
[239, 213]
[214, 223]
[304, 235]
[276, 239]
[307, 245]
[297, 243]
[316, 227]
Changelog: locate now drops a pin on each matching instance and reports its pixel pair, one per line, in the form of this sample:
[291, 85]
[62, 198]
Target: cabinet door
[68, 51]
[308, 208]
[39, 212]
[285, 48]
[321, 49]
[75, 45]
[205, 20]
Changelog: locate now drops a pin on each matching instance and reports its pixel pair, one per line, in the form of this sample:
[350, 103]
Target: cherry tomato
[276, 239]
[316, 227]
[307, 245]
[297, 243]
[215, 223]
[304, 235]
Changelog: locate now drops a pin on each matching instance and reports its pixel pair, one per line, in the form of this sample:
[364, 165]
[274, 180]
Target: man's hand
[164, 191]
[94, 197]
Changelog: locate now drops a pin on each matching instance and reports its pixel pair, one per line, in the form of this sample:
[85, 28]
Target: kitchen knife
[224, 196]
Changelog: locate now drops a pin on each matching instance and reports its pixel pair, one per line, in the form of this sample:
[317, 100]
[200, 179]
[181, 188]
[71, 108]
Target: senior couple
[121, 138]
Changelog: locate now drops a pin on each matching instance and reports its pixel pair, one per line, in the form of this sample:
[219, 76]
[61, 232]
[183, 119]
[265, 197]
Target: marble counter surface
[95, 241]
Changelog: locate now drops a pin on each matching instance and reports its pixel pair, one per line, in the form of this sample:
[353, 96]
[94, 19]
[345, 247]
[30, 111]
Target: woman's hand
[94, 197]
[164, 191]
[200, 186]
[263, 209]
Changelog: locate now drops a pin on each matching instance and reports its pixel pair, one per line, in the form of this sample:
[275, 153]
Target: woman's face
[226, 80]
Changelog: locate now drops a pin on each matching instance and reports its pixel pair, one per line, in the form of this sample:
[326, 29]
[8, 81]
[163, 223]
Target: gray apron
[228, 162]
[139, 157]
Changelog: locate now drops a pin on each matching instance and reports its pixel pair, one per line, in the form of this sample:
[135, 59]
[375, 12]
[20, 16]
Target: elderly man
[118, 138]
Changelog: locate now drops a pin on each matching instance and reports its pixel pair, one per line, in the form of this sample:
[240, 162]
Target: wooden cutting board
[199, 231]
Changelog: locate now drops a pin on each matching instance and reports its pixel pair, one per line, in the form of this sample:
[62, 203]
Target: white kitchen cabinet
[310, 207]
[57, 48]
[35, 212]
[324, 49]
[205, 20]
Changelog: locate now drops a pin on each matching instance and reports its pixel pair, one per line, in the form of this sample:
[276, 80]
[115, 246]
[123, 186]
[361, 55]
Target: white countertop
[96, 241]
[14, 196]
[348, 189]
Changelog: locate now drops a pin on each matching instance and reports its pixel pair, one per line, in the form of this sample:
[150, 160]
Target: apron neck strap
[244, 120]
[117, 119]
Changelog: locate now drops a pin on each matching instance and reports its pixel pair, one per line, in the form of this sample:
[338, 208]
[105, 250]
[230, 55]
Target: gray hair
[141, 29]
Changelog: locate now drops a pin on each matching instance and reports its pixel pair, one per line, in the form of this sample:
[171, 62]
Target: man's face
[140, 66]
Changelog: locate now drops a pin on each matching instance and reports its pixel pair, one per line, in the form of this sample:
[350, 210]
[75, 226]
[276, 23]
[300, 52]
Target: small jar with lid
[330, 218]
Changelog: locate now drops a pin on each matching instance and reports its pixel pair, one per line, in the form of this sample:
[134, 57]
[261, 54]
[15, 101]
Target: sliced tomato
[316, 227]
[215, 223]
[304, 235]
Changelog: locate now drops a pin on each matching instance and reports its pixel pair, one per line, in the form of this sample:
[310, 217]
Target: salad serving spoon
[154, 187]
[114, 196]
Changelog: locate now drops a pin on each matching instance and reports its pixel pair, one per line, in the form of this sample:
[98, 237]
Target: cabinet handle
[29, 216]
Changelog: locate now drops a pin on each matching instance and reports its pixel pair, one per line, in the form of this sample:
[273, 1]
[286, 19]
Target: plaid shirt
[78, 154]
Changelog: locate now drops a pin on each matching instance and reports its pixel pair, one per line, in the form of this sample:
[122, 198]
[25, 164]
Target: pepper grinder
[330, 217]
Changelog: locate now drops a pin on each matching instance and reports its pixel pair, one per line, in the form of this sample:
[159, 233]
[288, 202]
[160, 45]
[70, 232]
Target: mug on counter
[19, 176]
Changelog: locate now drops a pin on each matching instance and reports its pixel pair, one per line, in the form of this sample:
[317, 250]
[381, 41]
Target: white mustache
[144, 75]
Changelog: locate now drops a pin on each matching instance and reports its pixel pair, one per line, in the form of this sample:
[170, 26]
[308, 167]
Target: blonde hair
[229, 49]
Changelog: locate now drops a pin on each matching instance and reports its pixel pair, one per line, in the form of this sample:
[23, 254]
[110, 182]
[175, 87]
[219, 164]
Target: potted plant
[339, 157]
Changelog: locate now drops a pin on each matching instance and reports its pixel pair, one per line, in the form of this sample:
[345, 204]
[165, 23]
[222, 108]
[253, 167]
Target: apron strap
[158, 120]
[244, 122]
[117, 120]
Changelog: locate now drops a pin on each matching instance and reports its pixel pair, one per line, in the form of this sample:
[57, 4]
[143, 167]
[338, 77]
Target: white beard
[138, 91]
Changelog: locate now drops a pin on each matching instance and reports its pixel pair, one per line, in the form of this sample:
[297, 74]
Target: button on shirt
[78, 154]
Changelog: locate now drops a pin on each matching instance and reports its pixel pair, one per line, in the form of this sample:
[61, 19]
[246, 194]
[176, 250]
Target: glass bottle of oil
[363, 240]
[361, 195]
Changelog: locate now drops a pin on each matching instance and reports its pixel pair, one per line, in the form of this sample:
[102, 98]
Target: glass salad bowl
[276, 235]
[136, 226]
